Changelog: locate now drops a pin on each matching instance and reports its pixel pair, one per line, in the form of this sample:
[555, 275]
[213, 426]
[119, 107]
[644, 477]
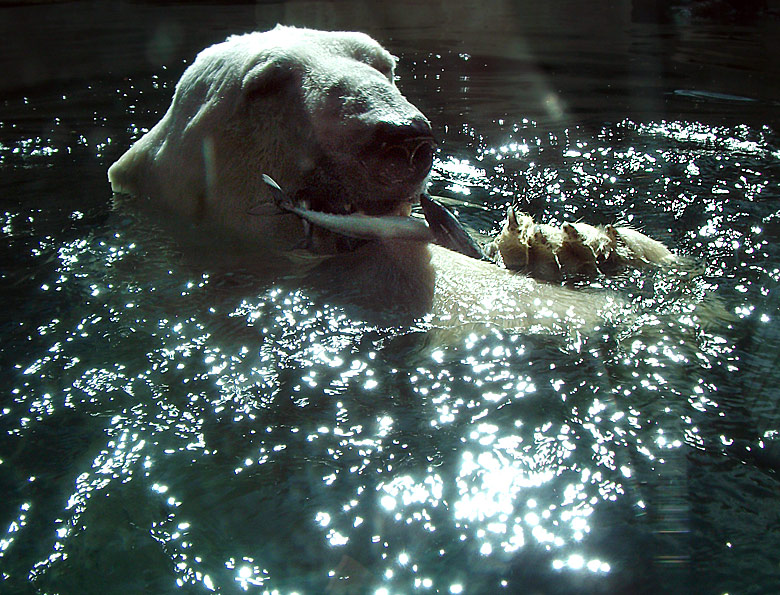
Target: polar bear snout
[400, 153]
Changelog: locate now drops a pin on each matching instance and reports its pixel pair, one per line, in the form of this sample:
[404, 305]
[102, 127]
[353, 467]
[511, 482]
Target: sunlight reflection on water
[224, 434]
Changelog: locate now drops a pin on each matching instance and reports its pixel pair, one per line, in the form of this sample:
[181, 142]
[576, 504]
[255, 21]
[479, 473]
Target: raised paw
[573, 250]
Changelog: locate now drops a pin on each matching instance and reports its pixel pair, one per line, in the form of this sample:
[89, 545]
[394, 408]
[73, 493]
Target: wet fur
[573, 250]
[227, 125]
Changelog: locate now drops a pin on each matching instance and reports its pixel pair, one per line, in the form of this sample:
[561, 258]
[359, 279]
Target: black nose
[390, 131]
[402, 151]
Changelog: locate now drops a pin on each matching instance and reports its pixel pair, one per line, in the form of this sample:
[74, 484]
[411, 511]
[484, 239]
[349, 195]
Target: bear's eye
[270, 78]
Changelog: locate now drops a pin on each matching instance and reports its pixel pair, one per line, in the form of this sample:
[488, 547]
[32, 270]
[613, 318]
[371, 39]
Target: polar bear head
[317, 111]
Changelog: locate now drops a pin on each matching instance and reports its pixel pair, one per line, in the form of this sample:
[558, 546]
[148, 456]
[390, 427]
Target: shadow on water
[168, 428]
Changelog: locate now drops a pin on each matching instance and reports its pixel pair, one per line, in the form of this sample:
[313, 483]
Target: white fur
[230, 121]
[282, 102]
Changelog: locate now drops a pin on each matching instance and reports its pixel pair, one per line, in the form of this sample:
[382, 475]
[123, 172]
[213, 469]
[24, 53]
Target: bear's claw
[573, 250]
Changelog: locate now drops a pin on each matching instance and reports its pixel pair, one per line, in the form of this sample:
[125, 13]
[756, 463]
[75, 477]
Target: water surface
[168, 428]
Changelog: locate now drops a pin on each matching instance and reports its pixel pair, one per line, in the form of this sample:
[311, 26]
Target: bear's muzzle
[400, 154]
[403, 151]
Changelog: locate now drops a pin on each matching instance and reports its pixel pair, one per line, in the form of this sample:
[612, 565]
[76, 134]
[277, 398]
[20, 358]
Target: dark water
[165, 429]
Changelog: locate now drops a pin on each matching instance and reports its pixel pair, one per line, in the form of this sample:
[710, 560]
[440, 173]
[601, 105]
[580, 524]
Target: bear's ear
[268, 78]
[385, 63]
[377, 58]
[387, 66]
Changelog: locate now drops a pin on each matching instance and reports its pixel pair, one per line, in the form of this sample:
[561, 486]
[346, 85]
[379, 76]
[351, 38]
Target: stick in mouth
[442, 227]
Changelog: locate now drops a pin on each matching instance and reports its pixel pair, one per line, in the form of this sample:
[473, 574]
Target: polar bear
[317, 111]
[320, 113]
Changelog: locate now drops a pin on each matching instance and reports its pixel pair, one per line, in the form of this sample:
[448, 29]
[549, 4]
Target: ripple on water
[220, 431]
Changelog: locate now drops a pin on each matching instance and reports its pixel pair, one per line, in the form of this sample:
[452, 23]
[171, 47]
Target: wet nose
[403, 150]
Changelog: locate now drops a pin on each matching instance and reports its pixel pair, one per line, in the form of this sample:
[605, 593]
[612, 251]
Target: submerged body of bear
[320, 113]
